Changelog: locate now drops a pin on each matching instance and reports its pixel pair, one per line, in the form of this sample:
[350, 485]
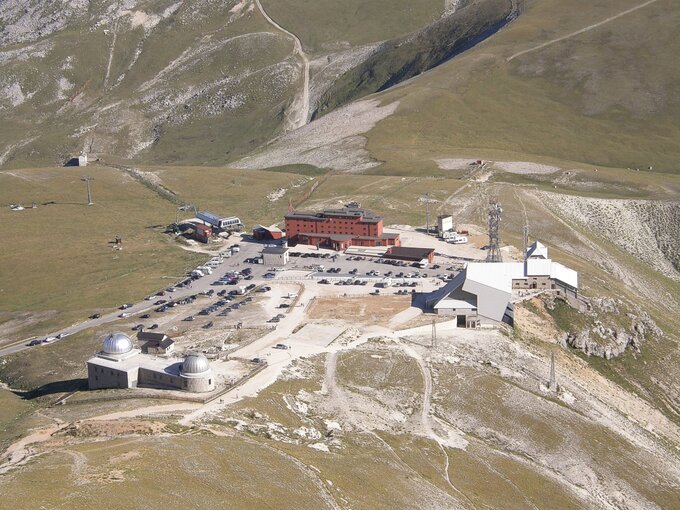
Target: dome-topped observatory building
[119, 364]
[196, 374]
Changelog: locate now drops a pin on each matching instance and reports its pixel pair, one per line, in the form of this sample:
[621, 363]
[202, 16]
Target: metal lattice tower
[494, 253]
[87, 180]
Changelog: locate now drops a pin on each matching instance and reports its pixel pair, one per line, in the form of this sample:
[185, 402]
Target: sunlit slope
[605, 96]
[158, 81]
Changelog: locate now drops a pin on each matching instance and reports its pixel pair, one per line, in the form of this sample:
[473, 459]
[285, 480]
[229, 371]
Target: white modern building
[480, 295]
[120, 365]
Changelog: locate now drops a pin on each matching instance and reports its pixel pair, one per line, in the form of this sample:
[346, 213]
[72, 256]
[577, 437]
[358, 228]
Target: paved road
[248, 249]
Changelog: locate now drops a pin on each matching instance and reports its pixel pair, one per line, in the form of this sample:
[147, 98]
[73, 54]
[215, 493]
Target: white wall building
[480, 294]
[120, 365]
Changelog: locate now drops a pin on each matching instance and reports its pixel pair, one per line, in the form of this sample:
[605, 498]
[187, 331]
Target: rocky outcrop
[605, 338]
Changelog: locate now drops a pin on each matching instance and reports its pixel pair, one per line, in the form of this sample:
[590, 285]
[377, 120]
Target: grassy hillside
[326, 25]
[411, 55]
[604, 97]
[161, 81]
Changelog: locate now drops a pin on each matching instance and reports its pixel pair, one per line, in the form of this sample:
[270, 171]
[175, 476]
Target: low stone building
[156, 343]
[275, 256]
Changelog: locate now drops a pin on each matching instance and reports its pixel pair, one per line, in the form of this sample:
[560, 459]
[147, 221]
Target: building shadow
[419, 300]
[54, 388]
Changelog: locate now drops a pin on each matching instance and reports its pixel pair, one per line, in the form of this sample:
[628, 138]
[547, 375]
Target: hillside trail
[578, 32]
[20, 452]
[299, 108]
[340, 401]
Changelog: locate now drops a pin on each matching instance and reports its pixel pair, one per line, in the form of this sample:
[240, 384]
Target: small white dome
[117, 343]
[195, 364]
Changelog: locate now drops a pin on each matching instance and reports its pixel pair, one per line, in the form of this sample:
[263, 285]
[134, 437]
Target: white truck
[205, 269]
[454, 237]
[458, 239]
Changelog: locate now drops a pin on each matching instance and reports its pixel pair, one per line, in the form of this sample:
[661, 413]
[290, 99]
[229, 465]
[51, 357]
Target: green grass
[352, 21]
[61, 256]
[597, 98]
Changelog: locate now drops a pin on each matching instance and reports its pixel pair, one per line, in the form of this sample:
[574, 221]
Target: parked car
[124, 315]
[189, 319]
[34, 342]
[145, 316]
[282, 346]
[138, 327]
[160, 302]
[208, 325]
[153, 326]
[49, 339]
[125, 306]
[95, 316]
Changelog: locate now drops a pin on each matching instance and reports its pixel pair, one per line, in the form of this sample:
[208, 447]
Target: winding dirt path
[299, 109]
[578, 32]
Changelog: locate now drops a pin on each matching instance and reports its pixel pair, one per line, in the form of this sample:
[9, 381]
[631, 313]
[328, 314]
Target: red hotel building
[338, 229]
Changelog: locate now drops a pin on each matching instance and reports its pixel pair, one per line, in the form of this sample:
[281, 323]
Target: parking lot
[235, 292]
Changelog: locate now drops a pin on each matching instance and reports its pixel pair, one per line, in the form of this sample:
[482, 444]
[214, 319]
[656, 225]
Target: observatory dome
[195, 364]
[117, 343]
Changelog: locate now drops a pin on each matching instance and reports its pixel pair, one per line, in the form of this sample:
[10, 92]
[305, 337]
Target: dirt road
[585, 29]
[299, 109]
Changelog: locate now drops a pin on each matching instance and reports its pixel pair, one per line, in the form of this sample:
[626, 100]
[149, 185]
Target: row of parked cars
[226, 298]
[47, 340]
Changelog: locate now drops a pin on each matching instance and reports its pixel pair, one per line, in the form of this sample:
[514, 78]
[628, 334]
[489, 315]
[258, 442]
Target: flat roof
[274, 250]
[351, 212]
[149, 362]
[410, 252]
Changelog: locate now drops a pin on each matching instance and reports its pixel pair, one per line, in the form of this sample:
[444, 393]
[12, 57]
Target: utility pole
[434, 333]
[526, 241]
[427, 213]
[87, 180]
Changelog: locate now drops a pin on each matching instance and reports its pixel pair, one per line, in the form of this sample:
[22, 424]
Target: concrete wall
[275, 259]
[534, 282]
[99, 377]
[155, 379]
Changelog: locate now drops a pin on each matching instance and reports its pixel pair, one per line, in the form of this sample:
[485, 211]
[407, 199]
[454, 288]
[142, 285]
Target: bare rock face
[606, 340]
